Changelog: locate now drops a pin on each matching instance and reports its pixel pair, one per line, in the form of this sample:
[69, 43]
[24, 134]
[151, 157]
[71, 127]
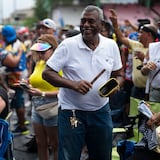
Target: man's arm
[55, 79]
[121, 38]
[119, 75]
[128, 23]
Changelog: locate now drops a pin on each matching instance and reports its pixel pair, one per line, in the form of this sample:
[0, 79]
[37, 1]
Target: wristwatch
[43, 94]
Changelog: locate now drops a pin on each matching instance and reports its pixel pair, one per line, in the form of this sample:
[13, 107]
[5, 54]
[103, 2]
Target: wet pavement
[20, 151]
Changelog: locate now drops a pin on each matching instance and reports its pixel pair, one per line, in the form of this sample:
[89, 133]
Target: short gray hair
[91, 8]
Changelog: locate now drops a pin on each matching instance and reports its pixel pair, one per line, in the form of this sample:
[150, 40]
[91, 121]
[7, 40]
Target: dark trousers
[93, 130]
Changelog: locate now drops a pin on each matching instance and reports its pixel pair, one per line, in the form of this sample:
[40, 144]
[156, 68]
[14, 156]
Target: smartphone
[24, 85]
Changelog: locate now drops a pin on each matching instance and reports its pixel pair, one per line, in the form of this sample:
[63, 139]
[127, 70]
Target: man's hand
[127, 23]
[151, 66]
[113, 18]
[139, 55]
[155, 120]
[82, 86]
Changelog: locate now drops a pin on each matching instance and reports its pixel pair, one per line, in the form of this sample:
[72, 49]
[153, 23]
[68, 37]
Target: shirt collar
[81, 43]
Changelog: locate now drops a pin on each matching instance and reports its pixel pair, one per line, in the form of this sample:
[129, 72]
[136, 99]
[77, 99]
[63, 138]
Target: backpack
[6, 139]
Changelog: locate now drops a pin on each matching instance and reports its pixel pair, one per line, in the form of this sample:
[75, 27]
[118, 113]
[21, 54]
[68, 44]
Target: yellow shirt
[139, 80]
[36, 79]
[14, 48]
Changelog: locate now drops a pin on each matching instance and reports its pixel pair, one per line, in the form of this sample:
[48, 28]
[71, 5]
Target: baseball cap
[49, 23]
[150, 28]
[40, 46]
[133, 36]
[9, 33]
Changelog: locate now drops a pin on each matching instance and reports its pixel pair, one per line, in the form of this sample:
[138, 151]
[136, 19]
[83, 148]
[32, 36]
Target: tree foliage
[40, 10]
[44, 8]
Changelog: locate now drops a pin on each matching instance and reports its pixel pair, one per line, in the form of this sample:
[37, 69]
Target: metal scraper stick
[98, 75]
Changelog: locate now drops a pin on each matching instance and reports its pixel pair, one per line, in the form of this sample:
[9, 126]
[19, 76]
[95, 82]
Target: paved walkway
[20, 151]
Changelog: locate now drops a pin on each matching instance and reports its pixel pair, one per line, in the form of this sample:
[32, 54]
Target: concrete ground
[20, 151]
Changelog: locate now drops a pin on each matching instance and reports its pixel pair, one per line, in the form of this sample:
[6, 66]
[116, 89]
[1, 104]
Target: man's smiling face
[90, 25]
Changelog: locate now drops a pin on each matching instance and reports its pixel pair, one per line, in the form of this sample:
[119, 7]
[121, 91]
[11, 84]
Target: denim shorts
[94, 129]
[36, 118]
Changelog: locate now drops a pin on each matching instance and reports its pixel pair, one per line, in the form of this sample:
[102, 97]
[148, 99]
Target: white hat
[49, 23]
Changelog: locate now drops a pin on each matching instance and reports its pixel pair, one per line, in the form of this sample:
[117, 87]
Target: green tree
[44, 8]
[40, 10]
[30, 22]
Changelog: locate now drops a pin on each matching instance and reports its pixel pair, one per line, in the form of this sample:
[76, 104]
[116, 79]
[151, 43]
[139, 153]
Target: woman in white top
[152, 69]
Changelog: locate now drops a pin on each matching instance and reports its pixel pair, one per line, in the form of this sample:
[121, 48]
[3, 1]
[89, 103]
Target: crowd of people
[60, 65]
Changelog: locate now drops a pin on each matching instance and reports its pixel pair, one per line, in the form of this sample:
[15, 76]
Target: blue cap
[9, 33]
[134, 36]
